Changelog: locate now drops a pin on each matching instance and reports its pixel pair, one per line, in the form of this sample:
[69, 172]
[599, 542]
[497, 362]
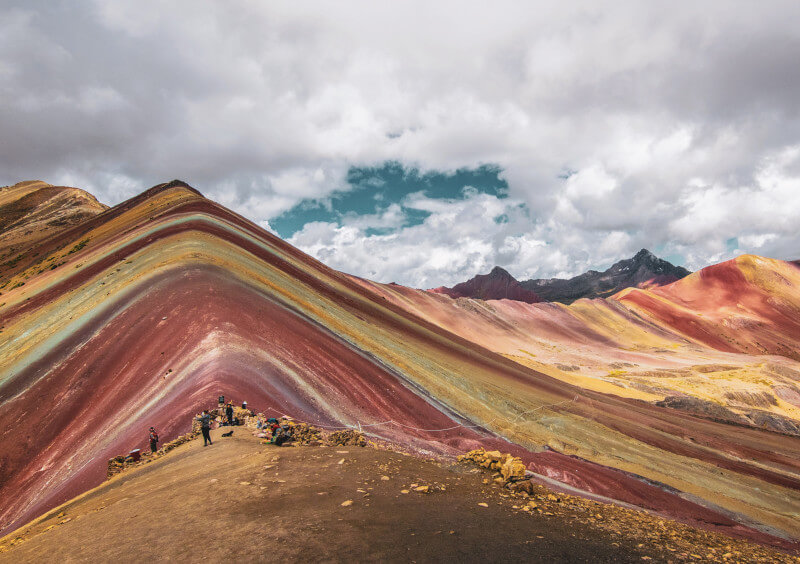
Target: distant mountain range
[644, 270]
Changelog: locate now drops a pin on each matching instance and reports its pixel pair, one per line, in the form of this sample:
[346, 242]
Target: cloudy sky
[423, 142]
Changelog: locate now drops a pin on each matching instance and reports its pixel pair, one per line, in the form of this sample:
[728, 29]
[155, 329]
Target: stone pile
[348, 437]
[511, 468]
[306, 434]
[121, 462]
[301, 433]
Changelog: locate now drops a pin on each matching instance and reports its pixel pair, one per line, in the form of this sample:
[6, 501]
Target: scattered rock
[510, 468]
[525, 486]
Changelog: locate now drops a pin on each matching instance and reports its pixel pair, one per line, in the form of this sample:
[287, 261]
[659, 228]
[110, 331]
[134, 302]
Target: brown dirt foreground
[243, 501]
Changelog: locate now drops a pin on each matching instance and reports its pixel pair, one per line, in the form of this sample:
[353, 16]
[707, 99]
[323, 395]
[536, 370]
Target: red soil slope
[748, 304]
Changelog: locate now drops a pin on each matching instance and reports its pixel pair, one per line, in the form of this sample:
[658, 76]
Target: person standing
[153, 440]
[205, 427]
[229, 413]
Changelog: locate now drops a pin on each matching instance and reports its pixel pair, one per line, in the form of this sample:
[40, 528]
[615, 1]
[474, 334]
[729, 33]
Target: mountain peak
[497, 285]
[33, 210]
[643, 270]
[500, 272]
[643, 255]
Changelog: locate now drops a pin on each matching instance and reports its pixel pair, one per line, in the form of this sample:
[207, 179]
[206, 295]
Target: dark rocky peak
[497, 285]
[646, 263]
[642, 270]
[500, 273]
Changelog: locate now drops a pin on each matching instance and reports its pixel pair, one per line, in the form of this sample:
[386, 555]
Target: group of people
[205, 420]
[279, 433]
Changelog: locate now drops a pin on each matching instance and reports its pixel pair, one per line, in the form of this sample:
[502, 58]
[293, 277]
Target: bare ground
[243, 501]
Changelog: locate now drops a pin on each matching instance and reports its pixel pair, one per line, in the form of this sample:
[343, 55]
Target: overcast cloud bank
[659, 125]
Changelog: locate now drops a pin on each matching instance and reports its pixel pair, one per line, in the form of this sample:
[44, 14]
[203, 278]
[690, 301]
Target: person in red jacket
[153, 440]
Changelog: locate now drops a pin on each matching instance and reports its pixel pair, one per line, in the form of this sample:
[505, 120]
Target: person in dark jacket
[153, 440]
[205, 427]
[229, 413]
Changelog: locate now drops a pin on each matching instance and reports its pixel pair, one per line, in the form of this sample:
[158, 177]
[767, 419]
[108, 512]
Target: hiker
[229, 413]
[153, 440]
[275, 429]
[205, 427]
[280, 434]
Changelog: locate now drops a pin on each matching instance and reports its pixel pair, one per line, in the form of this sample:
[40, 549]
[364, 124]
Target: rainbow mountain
[682, 400]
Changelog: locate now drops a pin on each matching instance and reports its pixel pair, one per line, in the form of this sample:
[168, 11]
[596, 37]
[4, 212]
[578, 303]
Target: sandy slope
[241, 501]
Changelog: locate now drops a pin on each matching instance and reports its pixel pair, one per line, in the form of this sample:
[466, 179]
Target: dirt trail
[241, 500]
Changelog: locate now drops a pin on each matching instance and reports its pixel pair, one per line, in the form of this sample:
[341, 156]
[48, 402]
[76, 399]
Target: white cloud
[680, 123]
[458, 239]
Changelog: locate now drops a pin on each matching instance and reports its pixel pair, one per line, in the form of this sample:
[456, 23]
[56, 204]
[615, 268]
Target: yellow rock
[347, 503]
[422, 489]
[512, 468]
[482, 504]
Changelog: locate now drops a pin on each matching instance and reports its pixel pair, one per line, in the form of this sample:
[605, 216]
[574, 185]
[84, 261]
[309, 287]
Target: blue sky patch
[372, 190]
